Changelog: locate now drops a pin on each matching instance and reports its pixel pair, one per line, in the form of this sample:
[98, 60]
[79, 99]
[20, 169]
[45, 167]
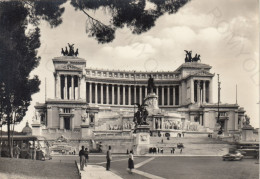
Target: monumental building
[94, 106]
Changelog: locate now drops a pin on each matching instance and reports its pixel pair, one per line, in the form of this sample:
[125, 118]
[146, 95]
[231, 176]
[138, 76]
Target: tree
[18, 55]
[130, 13]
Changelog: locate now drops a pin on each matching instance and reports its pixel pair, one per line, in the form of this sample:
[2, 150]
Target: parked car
[233, 156]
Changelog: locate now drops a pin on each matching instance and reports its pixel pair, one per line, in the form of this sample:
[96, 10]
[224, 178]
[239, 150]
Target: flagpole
[236, 93]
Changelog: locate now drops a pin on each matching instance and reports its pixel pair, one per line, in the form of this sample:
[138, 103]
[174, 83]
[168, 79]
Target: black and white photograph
[129, 89]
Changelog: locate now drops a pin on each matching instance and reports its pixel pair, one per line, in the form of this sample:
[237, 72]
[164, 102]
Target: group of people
[158, 150]
[179, 135]
[130, 159]
[83, 154]
[155, 150]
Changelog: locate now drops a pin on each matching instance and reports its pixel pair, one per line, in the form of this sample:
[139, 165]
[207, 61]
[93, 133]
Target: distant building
[98, 105]
[27, 130]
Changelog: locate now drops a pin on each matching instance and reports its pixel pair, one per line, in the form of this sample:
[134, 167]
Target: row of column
[114, 94]
[67, 87]
[201, 91]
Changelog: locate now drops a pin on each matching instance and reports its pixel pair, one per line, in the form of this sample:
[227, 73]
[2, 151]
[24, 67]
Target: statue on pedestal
[151, 85]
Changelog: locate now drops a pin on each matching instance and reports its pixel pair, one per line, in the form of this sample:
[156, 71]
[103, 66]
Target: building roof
[197, 65]
[69, 59]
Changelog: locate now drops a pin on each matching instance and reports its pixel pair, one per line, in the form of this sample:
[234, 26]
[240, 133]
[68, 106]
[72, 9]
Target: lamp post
[218, 121]
[134, 95]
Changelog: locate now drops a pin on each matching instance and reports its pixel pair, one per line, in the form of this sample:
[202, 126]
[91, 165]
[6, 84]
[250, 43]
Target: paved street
[181, 167]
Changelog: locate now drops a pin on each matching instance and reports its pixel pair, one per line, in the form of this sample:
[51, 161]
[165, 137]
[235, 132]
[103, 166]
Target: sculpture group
[69, 52]
[189, 57]
[141, 115]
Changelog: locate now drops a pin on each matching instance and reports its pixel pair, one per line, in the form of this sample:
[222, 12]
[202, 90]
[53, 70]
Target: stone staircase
[194, 144]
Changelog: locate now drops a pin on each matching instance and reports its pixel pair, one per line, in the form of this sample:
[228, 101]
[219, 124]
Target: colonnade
[67, 86]
[201, 91]
[122, 94]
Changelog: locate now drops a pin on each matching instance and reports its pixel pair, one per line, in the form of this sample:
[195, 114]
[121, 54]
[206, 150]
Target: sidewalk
[97, 172]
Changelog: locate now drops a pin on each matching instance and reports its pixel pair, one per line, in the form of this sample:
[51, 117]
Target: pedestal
[85, 131]
[151, 100]
[36, 129]
[142, 142]
[247, 133]
[216, 130]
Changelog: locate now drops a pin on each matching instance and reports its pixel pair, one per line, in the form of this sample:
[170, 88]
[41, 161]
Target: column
[140, 95]
[173, 95]
[162, 123]
[101, 93]
[56, 85]
[72, 123]
[153, 123]
[192, 90]
[201, 120]
[204, 92]
[90, 92]
[107, 93]
[210, 91]
[162, 95]
[145, 91]
[157, 91]
[118, 94]
[123, 94]
[79, 87]
[66, 87]
[113, 94]
[180, 95]
[61, 123]
[72, 87]
[96, 93]
[59, 86]
[134, 94]
[129, 95]
[198, 92]
[168, 95]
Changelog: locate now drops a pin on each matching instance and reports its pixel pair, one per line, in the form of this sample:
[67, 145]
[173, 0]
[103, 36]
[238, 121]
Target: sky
[223, 32]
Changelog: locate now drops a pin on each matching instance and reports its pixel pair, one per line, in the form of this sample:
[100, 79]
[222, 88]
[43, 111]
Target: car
[233, 156]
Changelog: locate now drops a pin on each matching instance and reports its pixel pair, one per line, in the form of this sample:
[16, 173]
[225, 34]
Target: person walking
[82, 158]
[86, 152]
[109, 158]
[131, 161]
[173, 149]
[17, 151]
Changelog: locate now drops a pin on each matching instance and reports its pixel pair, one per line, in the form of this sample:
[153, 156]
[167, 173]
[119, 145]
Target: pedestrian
[86, 152]
[162, 150]
[74, 152]
[181, 151]
[131, 161]
[109, 158]
[173, 150]
[17, 151]
[82, 158]
[162, 141]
